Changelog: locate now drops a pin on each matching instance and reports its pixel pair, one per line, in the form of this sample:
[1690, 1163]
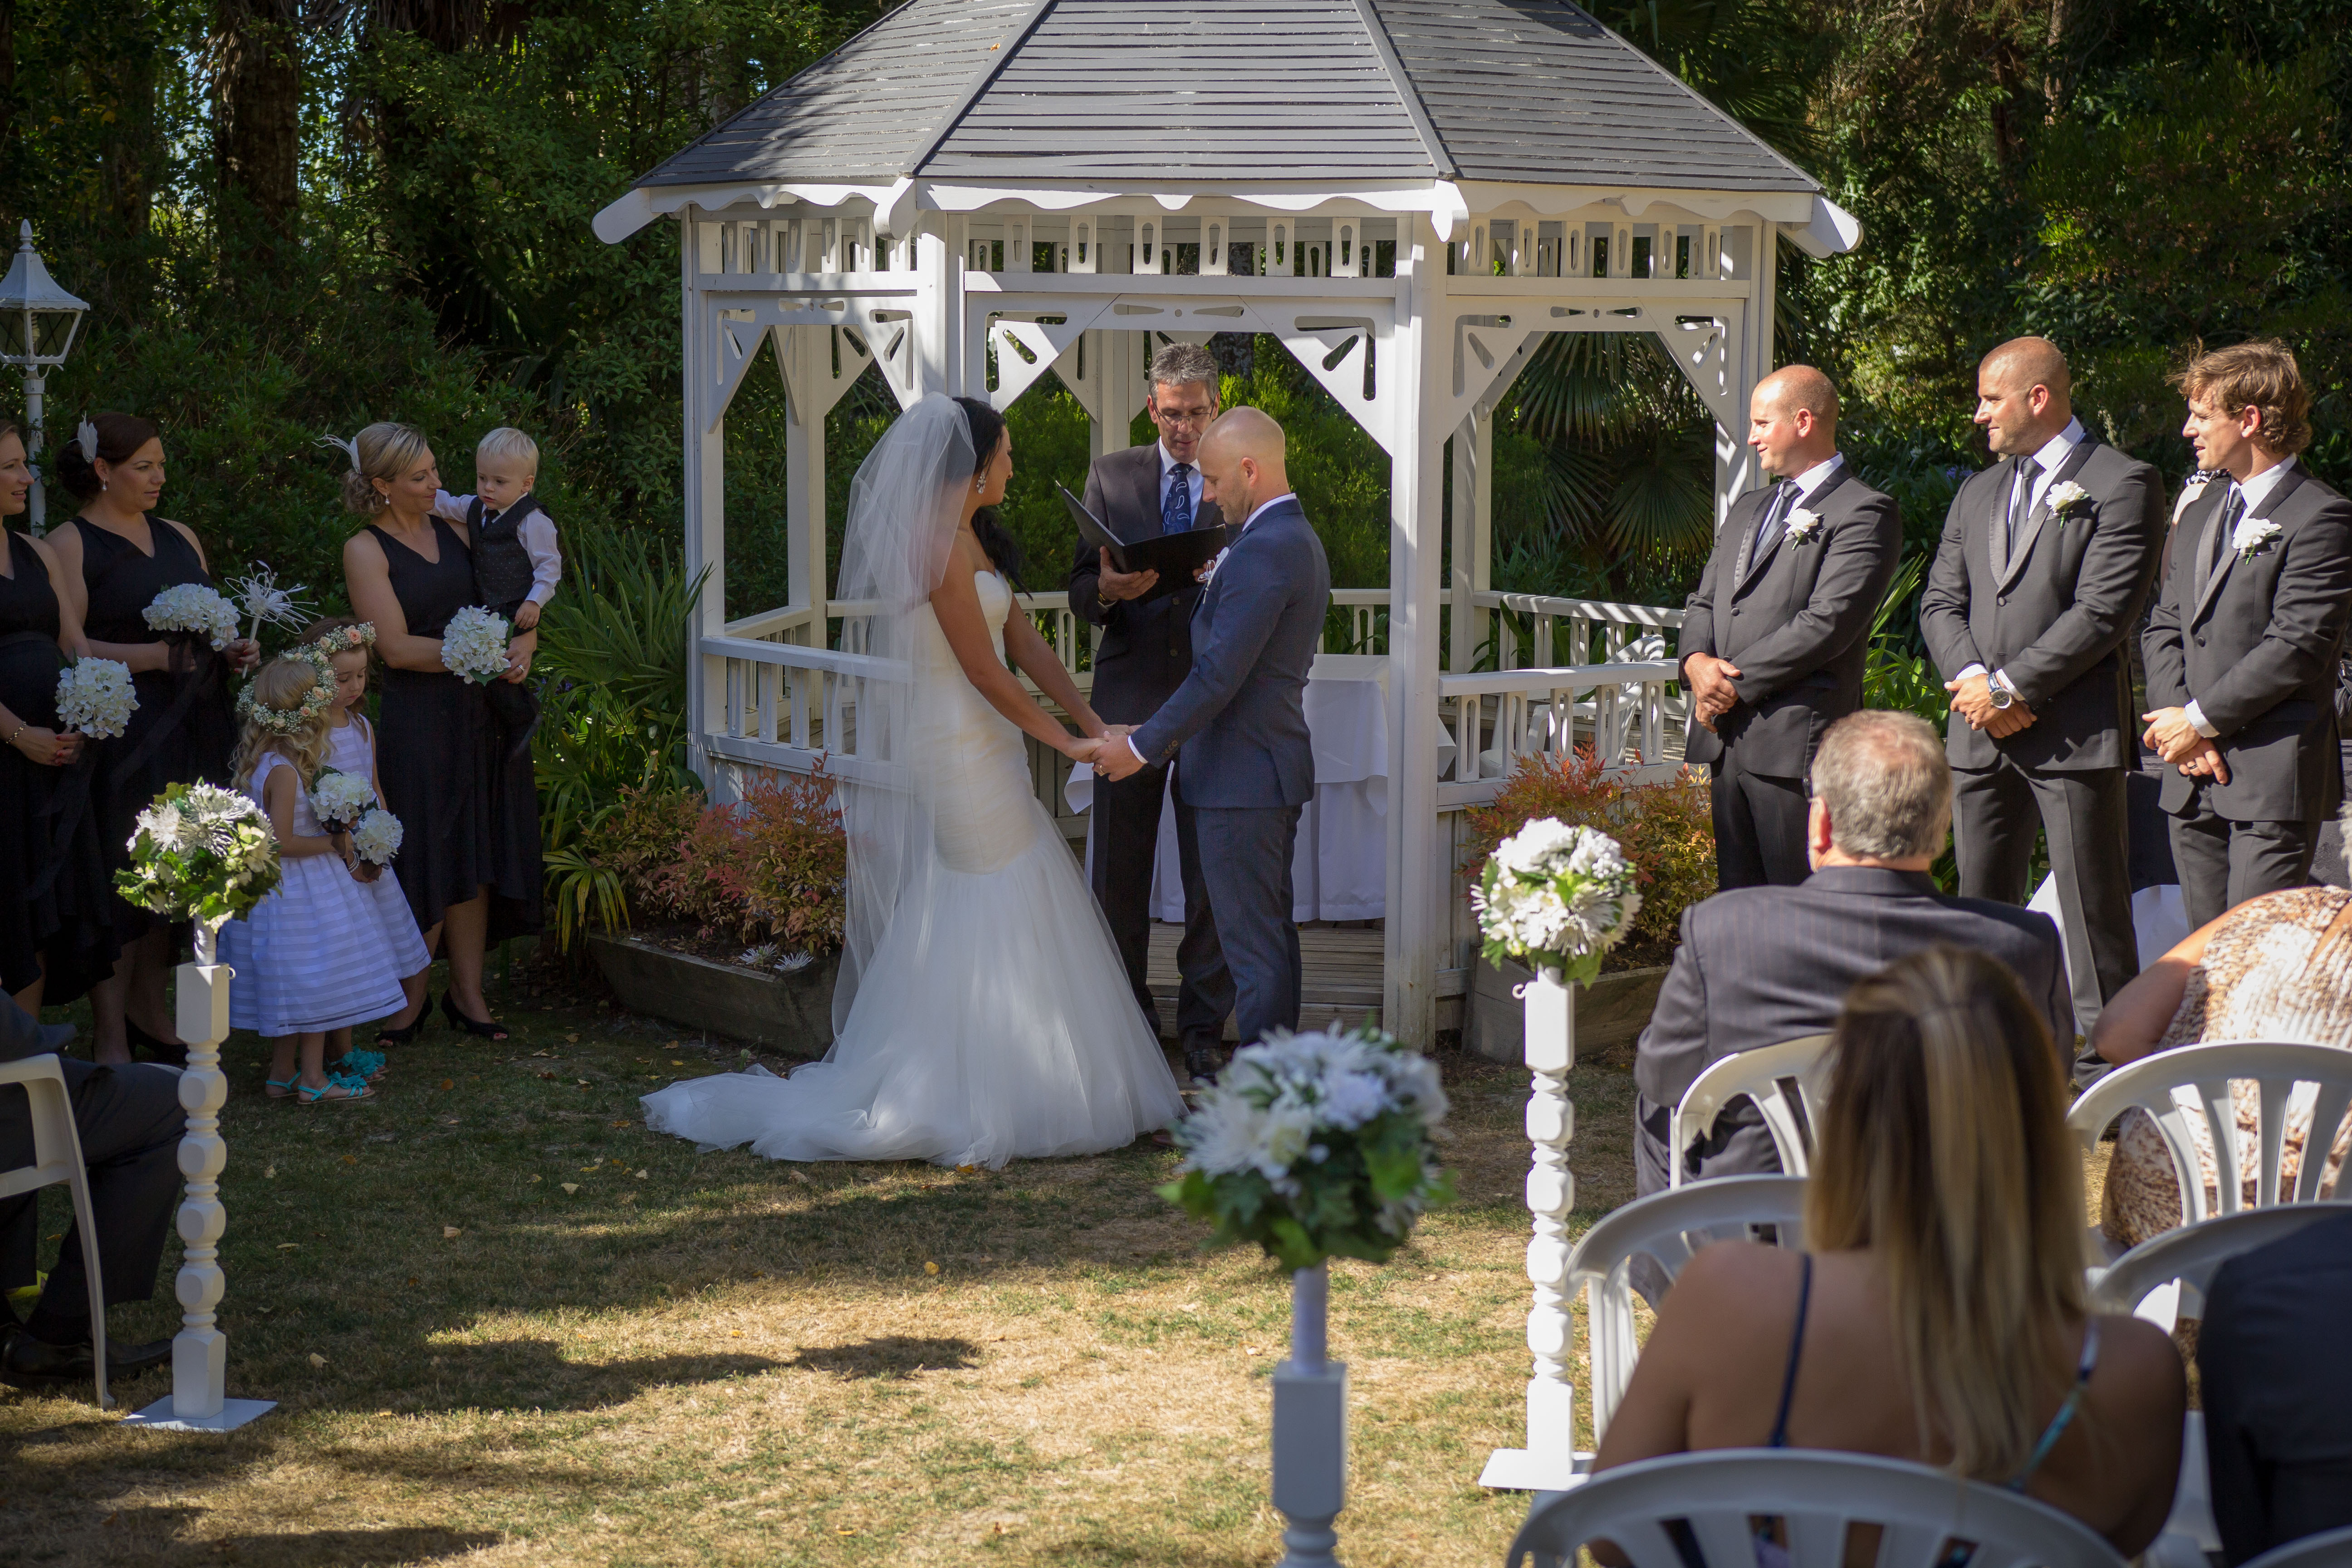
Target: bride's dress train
[995, 1020]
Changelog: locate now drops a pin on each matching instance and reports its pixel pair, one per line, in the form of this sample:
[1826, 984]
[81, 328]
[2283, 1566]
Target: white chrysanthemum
[194, 607]
[1352, 1098]
[1535, 846]
[474, 645]
[96, 697]
[376, 837]
[338, 798]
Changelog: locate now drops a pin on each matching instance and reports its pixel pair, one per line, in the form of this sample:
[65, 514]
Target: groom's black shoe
[1202, 1059]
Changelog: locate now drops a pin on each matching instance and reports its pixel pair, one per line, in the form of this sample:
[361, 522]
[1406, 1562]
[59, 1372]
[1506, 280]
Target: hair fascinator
[349, 449]
[86, 437]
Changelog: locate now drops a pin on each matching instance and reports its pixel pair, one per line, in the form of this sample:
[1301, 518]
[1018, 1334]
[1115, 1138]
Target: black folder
[1175, 556]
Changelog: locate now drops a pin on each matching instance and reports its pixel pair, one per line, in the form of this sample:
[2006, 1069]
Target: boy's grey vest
[501, 565]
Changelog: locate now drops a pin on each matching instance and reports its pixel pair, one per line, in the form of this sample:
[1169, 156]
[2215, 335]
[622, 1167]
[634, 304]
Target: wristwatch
[2002, 698]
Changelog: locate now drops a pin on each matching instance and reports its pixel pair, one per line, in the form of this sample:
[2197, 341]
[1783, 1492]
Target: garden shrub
[1667, 831]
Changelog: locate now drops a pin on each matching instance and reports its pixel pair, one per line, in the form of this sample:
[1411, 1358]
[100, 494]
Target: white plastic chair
[1817, 1494]
[2329, 1549]
[1765, 1076]
[2191, 1255]
[2207, 1072]
[1669, 1226]
[57, 1157]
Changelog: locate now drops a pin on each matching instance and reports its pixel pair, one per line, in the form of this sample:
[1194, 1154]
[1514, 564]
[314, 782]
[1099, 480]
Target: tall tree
[258, 104]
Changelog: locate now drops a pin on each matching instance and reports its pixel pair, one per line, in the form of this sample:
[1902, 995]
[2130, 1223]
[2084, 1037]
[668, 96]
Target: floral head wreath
[346, 639]
[293, 721]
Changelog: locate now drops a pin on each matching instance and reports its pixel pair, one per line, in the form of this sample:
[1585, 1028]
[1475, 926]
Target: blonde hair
[2261, 374]
[384, 450]
[282, 685]
[506, 441]
[1944, 1151]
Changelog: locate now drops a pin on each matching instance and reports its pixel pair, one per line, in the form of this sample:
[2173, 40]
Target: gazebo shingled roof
[1056, 90]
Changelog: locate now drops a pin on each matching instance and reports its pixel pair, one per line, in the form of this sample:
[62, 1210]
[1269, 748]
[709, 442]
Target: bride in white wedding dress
[982, 1014]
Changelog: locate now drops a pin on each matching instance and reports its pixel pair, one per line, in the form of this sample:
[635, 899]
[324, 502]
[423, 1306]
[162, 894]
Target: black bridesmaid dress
[50, 863]
[468, 820]
[185, 728]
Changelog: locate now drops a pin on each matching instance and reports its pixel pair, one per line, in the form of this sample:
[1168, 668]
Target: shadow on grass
[347, 1548]
[892, 1355]
[516, 1376]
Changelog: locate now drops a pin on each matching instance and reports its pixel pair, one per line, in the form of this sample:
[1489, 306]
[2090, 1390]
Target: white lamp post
[37, 321]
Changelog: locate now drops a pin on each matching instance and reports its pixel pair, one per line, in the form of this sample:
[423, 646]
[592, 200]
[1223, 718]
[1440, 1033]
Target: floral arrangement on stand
[96, 697]
[1556, 897]
[200, 852]
[474, 645]
[193, 609]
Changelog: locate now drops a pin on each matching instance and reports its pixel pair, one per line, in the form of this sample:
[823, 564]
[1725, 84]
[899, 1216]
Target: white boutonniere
[1803, 524]
[2066, 498]
[2251, 534]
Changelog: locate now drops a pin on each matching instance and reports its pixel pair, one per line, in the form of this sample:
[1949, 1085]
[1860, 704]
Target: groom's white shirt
[1215, 562]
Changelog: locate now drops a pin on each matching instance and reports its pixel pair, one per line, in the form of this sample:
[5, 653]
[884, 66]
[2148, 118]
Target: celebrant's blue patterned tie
[1176, 506]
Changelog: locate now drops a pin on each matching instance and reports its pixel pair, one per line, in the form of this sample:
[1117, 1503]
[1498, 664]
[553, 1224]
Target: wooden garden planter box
[1611, 1013]
[791, 1012]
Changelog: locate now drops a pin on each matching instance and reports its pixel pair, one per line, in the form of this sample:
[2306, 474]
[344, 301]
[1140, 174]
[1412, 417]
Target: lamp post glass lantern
[37, 324]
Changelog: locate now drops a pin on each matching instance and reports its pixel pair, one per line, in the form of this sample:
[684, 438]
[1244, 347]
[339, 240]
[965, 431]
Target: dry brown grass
[730, 1361]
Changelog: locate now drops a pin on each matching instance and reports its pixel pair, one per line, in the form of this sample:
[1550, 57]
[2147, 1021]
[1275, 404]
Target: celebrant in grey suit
[1774, 640]
[2241, 650]
[1236, 729]
[2044, 566]
[1761, 966]
[1143, 655]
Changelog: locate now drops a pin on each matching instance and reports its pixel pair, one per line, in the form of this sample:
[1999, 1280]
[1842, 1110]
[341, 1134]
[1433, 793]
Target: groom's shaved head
[1242, 462]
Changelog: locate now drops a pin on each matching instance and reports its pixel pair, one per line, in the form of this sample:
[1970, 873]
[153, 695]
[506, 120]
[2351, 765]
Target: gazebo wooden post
[807, 352]
[705, 502]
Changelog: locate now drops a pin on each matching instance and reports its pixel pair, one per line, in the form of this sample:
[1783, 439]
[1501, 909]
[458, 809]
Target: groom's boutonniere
[2251, 534]
[1803, 524]
[2066, 498]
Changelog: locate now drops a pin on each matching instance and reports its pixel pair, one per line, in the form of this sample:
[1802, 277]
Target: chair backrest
[2194, 1253]
[1778, 1079]
[1817, 1494]
[54, 1150]
[1669, 1226]
[2329, 1549]
[2207, 1070]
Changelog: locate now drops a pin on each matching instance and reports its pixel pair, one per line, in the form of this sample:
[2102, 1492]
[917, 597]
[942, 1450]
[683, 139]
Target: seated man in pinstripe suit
[1761, 965]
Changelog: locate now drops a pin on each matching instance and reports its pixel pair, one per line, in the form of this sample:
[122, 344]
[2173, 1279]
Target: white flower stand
[1310, 1429]
[197, 1402]
[1550, 1462]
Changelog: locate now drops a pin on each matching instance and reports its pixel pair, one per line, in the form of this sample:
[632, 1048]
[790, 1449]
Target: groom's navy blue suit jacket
[1239, 721]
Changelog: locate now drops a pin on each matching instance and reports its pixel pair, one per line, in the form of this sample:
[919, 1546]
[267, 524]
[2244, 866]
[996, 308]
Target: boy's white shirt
[535, 534]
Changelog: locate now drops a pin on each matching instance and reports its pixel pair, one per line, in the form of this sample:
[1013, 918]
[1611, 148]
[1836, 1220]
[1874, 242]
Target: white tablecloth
[1339, 870]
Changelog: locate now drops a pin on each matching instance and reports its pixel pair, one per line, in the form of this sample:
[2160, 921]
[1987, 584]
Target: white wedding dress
[995, 1020]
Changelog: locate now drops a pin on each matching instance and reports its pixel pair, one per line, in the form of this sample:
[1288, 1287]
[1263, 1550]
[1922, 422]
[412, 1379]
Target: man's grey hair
[1887, 786]
[1181, 364]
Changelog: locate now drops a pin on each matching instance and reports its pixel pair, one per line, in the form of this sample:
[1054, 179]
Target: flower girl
[310, 957]
[345, 642]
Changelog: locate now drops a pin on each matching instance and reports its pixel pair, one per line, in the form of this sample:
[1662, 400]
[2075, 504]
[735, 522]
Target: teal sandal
[282, 1088]
[352, 1091]
[364, 1065]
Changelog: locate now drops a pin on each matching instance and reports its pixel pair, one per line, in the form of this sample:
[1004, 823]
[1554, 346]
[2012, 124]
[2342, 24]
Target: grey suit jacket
[1240, 720]
[2257, 649]
[1796, 620]
[1146, 649]
[2053, 613]
[1761, 965]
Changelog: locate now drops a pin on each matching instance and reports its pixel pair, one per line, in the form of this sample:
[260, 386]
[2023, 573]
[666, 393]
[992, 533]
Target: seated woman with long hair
[1939, 1315]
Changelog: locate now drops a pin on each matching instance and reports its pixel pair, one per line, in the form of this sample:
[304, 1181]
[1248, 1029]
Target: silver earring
[979, 485]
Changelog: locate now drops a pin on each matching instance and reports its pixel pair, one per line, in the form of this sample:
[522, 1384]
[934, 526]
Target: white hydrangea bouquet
[1315, 1146]
[474, 645]
[95, 696]
[200, 852]
[338, 798]
[377, 837]
[1556, 897]
[195, 609]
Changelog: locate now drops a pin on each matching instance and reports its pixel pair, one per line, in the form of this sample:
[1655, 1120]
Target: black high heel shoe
[170, 1052]
[491, 1030]
[388, 1035]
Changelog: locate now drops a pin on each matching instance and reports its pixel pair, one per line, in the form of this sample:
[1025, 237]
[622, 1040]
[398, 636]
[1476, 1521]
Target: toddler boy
[517, 561]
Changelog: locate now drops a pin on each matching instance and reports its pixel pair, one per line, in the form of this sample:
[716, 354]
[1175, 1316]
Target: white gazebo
[1408, 194]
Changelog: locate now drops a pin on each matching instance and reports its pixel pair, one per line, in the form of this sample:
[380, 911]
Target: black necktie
[1176, 506]
[2225, 523]
[2020, 503]
[1775, 516]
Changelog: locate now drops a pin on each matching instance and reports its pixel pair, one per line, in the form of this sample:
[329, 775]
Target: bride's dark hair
[988, 434]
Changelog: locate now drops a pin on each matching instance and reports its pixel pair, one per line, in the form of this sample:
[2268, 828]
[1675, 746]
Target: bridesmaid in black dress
[469, 856]
[120, 555]
[56, 936]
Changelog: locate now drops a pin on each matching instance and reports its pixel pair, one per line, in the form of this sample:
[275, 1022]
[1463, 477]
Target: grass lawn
[502, 1319]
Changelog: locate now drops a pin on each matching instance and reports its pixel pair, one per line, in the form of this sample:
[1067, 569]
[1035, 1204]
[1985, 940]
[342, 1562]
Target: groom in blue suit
[1236, 728]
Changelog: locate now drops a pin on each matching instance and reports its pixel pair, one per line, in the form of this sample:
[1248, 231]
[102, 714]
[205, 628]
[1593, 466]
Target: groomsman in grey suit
[1142, 655]
[1774, 640]
[2045, 563]
[2242, 648]
[1236, 729]
[1761, 965]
